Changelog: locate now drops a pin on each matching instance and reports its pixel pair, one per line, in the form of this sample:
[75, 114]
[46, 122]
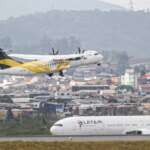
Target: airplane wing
[27, 57]
[46, 57]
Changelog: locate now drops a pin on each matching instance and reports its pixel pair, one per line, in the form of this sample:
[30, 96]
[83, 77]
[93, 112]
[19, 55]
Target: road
[77, 139]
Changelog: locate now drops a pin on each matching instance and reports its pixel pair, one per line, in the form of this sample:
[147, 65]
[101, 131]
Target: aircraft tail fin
[6, 61]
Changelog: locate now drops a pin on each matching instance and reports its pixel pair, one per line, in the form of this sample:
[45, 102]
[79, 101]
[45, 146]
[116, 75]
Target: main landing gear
[50, 74]
[60, 74]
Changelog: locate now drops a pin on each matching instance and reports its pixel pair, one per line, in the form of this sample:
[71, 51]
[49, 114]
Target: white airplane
[102, 125]
[48, 64]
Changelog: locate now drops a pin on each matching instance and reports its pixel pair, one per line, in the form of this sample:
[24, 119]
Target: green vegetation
[25, 127]
[75, 145]
[125, 87]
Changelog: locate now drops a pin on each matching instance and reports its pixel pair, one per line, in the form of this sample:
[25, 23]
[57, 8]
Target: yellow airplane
[45, 64]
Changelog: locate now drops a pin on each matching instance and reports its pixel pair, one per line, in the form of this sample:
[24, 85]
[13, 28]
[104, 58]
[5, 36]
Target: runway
[76, 139]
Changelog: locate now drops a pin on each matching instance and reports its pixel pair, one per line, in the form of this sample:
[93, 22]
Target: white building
[129, 78]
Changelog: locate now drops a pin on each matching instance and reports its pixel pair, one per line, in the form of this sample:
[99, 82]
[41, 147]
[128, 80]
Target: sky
[16, 8]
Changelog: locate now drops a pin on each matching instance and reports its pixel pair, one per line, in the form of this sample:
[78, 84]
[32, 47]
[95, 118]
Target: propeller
[55, 52]
[80, 51]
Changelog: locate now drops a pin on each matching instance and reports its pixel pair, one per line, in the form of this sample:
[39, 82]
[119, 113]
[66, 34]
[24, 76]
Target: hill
[17, 8]
[66, 30]
[84, 5]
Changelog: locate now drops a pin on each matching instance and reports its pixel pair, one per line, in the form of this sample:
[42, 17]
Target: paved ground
[81, 138]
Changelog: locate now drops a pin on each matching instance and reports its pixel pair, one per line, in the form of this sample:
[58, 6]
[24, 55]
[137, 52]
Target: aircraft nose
[101, 56]
[52, 130]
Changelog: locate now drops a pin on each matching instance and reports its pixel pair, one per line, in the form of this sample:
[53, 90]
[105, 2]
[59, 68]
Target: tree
[123, 62]
[9, 115]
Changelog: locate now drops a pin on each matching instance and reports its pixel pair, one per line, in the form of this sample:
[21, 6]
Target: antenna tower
[131, 5]
[52, 5]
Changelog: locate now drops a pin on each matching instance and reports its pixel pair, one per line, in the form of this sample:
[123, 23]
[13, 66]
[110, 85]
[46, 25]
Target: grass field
[75, 145]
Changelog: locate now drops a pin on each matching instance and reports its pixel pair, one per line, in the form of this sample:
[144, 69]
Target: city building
[129, 78]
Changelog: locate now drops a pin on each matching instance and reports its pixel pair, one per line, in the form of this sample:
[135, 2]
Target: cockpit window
[58, 125]
[96, 54]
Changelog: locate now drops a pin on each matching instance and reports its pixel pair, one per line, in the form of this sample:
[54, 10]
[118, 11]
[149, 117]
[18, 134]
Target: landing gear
[134, 133]
[50, 74]
[61, 73]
